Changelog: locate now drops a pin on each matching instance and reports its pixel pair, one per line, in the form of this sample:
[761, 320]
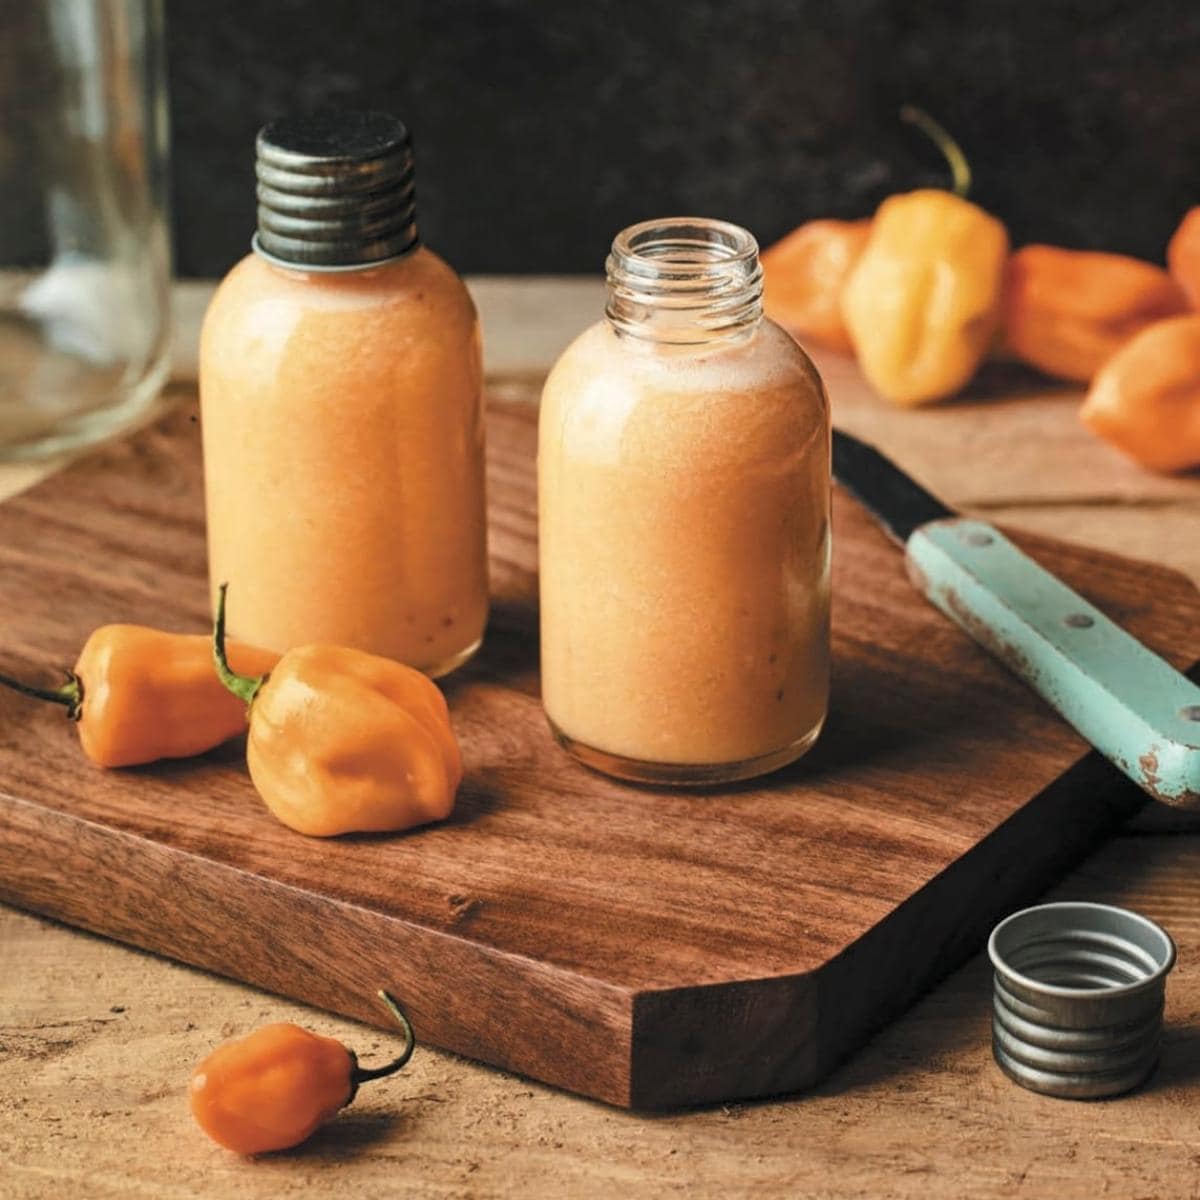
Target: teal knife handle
[1134, 707]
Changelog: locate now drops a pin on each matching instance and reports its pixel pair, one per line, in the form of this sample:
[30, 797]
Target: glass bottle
[84, 260]
[684, 490]
[341, 402]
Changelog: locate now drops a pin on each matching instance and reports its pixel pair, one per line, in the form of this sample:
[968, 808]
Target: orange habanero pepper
[1146, 399]
[1067, 311]
[273, 1088]
[139, 695]
[803, 276]
[923, 300]
[343, 741]
[1183, 256]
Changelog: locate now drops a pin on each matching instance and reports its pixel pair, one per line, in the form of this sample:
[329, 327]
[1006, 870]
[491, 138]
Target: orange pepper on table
[1067, 311]
[923, 300]
[1146, 399]
[1183, 256]
[273, 1088]
[803, 276]
[139, 695]
[343, 741]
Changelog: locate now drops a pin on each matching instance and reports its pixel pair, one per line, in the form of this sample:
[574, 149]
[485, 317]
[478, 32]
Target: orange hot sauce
[341, 401]
[684, 489]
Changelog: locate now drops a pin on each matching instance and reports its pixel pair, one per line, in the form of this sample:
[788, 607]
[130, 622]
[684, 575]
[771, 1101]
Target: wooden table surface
[97, 1040]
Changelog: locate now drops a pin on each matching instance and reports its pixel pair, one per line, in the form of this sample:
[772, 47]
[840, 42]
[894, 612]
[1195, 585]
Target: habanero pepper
[1183, 256]
[342, 741]
[273, 1088]
[803, 276]
[1067, 311]
[1146, 399]
[923, 300]
[139, 695]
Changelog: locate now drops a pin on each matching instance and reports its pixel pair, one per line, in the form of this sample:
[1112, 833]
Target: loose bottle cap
[335, 189]
[1077, 1006]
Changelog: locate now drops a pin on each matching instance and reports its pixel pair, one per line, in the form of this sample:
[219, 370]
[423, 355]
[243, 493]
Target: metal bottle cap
[1078, 1002]
[335, 189]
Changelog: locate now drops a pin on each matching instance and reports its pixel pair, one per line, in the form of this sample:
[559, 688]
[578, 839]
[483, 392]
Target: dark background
[542, 128]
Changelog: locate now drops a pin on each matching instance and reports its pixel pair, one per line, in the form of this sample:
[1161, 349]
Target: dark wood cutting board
[646, 948]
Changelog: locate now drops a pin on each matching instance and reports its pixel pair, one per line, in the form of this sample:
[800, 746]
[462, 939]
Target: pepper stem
[362, 1074]
[70, 694]
[960, 169]
[245, 687]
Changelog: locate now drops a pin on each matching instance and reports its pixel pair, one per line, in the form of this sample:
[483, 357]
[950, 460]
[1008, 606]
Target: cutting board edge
[232, 912]
[988, 886]
[670, 1024]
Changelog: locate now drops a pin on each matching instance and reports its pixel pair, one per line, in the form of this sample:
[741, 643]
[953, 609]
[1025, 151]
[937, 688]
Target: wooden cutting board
[647, 948]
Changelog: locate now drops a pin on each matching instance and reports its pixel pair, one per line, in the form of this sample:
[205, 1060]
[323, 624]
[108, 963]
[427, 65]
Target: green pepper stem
[245, 687]
[70, 694]
[960, 169]
[362, 1074]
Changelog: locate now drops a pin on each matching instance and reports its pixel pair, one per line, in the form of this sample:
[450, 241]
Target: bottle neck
[684, 281]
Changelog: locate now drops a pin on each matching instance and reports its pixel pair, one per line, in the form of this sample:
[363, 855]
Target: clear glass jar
[84, 262]
[684, 489]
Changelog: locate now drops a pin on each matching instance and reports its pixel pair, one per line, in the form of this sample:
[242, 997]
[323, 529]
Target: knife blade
[894, 499]
[1129, 703]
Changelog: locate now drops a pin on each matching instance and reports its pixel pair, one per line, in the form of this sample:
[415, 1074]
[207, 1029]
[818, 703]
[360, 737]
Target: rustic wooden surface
[620, 927]
[92, 1102]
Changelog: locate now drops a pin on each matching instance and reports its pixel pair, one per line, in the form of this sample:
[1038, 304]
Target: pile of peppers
[337, 741]
[925, 289]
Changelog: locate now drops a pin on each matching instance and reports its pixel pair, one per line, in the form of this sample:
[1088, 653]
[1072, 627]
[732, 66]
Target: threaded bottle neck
[335, 190]
[684, 281]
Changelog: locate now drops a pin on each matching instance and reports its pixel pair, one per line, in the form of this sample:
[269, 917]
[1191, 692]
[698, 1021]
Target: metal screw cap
[335, 189]
[1078, 1003]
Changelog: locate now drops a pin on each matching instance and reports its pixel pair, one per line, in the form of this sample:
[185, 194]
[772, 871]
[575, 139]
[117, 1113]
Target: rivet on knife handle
[1134, 707]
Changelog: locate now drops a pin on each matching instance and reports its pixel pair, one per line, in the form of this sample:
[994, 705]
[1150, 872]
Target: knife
[1133, 706]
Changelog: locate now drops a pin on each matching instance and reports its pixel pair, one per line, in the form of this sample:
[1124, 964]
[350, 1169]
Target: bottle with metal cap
[341, 406]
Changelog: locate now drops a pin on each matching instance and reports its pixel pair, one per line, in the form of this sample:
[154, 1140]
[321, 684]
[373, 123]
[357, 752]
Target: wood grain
[649, 949]
[97, 1045]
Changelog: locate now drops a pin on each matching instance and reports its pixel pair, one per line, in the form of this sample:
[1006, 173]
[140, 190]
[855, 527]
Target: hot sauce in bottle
[341, 402]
